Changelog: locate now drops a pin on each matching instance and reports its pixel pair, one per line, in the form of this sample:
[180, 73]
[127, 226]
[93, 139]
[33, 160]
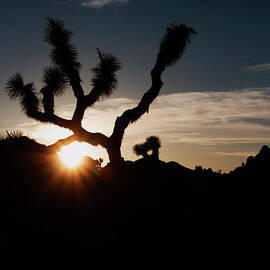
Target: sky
[213, 109]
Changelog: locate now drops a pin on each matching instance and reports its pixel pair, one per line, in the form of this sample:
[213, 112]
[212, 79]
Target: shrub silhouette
[14, 134]
[65, 70]
[16, 137]
[152, 144]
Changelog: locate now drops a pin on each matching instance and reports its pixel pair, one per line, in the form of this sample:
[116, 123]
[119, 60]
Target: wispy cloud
[204, 118]
[261, 67]
[236, 154]
[102, 3]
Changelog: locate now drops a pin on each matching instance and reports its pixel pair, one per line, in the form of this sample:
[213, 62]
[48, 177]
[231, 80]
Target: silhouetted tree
[141, 150]
[152, 144]
[66, 71]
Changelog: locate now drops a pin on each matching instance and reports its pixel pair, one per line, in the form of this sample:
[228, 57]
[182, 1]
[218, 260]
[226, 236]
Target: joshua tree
[141, 149]
[152, 144]
[66, 71]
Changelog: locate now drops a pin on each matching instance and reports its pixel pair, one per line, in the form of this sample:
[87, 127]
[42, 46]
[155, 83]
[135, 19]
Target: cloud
[262, 67]
[203, 118]
[259, 121]
[102, 3]
[236, 154]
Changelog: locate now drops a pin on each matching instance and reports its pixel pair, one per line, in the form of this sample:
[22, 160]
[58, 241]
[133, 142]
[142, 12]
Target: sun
[72, 155]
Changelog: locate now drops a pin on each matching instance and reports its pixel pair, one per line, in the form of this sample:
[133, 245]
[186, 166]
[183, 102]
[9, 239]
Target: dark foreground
[144, 205]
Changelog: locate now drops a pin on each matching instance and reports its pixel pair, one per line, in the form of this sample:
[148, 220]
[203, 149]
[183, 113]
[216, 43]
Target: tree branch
[132, 115]
[82, 104]
[52, 119]
[94, 139]
[77, 88]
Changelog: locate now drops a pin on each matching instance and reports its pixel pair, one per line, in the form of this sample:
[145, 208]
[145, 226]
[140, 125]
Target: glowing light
[72, 154]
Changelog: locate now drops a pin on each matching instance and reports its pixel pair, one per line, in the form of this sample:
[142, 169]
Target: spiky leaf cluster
[104, 77]
[174, 42]
[25, 93]
[140, 149]
[15, 86]
[63, 54]
[152, 143]
[55, 80]
[29, 102]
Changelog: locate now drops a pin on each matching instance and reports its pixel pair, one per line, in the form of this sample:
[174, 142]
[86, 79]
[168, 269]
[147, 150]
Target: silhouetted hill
[143, 204]
[255, 166]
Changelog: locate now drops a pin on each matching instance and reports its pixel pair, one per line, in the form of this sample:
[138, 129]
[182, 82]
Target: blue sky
[218, 94]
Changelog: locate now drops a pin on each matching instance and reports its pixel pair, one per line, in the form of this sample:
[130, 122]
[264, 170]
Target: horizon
[213, 109]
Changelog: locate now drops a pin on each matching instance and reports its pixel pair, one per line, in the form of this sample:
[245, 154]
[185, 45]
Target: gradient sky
[214, 107]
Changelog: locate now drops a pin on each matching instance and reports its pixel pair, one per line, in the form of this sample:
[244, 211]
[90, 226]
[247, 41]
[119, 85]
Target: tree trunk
[114, 152]
[132, 115]
[155, 154]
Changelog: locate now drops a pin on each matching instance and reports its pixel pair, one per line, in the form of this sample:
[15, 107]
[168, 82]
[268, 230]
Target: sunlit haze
[72, 154]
